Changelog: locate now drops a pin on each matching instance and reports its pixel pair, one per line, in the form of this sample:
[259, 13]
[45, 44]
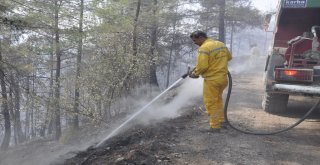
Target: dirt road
[180, 141]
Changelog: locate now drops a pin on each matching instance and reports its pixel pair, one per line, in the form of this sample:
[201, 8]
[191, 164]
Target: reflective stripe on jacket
[212, 60]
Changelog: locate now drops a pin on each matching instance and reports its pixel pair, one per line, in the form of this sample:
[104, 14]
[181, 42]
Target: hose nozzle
[186, 74]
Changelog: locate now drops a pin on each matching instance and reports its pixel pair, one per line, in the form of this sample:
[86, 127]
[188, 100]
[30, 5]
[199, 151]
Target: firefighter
[254, 55]
[212, 65]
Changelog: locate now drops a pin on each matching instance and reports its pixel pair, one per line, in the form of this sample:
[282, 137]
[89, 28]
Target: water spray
[116, 130]
[141, 110]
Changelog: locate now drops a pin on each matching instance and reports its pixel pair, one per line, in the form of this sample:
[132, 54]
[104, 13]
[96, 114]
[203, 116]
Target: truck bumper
[298, 89]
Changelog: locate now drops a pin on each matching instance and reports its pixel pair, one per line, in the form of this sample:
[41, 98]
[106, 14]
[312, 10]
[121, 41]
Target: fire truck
[293, 66]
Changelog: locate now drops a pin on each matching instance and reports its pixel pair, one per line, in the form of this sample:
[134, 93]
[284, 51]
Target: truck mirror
[315, 31]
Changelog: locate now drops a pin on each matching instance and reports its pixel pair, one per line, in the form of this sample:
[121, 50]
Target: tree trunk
[5, 109]
[17, 119]
[125, 80]
[49, 117]
[49, 108]
[153, 66]
[134, 37]
[231, 40]
[11, 107]
[27, 125]
[15, 104]
[171, 50]
[222, 11]
[33, 132]
[77, 85]
[58, 66]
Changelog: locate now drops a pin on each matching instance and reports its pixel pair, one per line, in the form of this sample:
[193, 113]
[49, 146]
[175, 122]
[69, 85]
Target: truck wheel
[275, 102]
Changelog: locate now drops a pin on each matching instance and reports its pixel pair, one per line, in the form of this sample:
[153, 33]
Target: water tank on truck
[293, 66]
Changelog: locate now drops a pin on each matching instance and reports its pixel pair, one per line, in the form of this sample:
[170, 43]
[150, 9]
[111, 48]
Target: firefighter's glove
[192, 75]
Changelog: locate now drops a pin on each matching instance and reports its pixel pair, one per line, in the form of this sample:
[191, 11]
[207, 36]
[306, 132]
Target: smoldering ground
[47, 152]
[170, 105]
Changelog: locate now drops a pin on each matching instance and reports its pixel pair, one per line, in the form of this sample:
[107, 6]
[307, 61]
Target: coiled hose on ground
[260, 133]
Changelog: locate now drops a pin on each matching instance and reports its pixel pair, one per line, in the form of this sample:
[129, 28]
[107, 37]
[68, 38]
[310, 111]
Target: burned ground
[180, 141]
[151, 144]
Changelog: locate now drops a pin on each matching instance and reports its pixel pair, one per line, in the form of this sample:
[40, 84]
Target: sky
[265, 5]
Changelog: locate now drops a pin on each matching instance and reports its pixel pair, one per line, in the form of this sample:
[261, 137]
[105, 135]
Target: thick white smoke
[189, 93]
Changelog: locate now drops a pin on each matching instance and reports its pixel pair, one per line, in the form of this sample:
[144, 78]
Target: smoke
[189, 93]
[42, 152]
[170, 105]
[253, 64]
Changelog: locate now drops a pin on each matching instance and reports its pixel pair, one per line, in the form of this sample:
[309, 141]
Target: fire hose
[260, 133]
[225, 115]
[225, 112]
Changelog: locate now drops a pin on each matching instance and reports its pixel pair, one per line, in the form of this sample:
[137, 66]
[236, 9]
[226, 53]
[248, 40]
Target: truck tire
[275, 102]
[273, 61]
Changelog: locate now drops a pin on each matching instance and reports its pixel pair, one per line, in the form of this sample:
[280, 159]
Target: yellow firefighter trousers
[212, 98]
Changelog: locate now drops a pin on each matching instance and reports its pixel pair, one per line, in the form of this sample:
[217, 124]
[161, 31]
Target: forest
[69, 64]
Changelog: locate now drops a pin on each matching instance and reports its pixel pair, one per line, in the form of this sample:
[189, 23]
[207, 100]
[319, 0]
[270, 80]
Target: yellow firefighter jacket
[212, 60]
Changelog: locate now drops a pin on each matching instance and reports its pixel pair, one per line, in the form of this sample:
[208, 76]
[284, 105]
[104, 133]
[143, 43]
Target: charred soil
[181, 141]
